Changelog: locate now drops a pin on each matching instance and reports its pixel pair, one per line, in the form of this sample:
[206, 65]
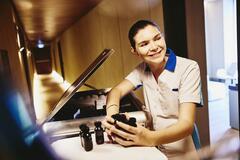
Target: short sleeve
[135, 77]
[190, 85]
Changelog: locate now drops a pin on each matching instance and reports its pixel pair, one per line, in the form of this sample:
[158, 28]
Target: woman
[171, 87]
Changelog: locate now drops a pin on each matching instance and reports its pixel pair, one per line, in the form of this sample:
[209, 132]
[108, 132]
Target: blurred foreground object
[20, 138]
[227, 148]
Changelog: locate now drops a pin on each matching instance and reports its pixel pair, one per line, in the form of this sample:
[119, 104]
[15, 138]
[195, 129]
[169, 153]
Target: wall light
[40, 44]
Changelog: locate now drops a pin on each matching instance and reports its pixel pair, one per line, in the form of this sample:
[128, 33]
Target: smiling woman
[171, 88]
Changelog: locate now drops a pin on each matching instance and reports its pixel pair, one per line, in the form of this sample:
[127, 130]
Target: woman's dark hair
[136, 27]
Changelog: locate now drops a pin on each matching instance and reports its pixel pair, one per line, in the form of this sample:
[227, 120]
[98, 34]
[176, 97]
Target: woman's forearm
[113, 102]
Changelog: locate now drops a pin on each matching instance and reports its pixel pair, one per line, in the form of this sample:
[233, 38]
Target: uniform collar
[171, 62]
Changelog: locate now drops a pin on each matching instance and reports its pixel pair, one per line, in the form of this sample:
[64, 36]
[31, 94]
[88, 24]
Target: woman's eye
[143, 44]
[157, 38]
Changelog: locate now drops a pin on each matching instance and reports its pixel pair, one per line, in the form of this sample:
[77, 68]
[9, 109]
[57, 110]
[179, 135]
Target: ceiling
[46, 19]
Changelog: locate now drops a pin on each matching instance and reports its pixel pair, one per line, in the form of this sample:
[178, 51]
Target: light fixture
[40, 44]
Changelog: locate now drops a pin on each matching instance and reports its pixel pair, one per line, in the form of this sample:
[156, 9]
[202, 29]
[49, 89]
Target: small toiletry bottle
[132, 122]
[86, 137]
[99, 136]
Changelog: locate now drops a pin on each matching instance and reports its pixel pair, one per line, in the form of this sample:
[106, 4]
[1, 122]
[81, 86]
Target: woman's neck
[157, 69]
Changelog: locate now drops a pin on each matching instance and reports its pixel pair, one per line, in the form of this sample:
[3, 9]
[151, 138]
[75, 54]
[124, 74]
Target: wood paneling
[8, 42]
[106, 26]
[197, 52]
[129, 60]
[156, 12]
[46, 19]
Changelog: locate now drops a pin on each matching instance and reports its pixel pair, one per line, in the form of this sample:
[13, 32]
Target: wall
[230, 37]
[197, 51]
[221, 36]
[214, 38]
[55, 58]
[8, 42]
[83, 42]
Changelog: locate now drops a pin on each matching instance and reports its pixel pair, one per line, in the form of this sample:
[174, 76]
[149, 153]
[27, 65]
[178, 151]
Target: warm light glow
[21, 49]
[29, 53]
[20, 58]
[39, 97]
[59, 78]
[25, 4]
[18, 40]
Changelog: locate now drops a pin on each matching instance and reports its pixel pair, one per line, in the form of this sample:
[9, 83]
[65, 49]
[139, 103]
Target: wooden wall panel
[106, 26]
[81, 45]
[197, 51]
[55, 57]
[31, 65]
[156, 12]
[126, 21]
[111, 72]
[8, 41]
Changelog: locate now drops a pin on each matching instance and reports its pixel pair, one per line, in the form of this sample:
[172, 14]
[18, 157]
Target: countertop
[71, 149]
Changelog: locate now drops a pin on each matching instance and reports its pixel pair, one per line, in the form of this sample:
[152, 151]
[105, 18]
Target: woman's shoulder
[186, 61]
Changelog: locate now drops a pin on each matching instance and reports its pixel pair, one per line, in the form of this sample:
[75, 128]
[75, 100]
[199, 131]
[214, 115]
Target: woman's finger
[106, 124]
[127, 127]
[122, 133]
[110, 119]
[123, 142]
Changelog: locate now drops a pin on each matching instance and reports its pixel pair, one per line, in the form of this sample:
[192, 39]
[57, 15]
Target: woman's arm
[114, 96]
[182, 128]
[142, 136]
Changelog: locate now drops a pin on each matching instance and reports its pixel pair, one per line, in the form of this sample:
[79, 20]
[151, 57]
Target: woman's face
[150, 45]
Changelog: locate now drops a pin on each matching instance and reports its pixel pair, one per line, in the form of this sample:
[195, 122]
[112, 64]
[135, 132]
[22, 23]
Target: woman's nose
[153, 46]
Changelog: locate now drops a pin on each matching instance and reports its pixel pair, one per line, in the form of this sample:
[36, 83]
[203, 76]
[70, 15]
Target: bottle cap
[132, 121]
[84, 128]
[97, 123]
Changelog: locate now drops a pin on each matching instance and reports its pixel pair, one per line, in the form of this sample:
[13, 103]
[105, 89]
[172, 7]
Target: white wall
[230, 35]
[221, 36]
[213, 11]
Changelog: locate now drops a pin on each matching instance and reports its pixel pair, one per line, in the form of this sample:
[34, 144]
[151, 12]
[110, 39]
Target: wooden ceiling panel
[46, 19]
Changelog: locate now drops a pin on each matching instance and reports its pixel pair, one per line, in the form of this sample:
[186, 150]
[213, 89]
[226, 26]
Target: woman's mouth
[156, 54]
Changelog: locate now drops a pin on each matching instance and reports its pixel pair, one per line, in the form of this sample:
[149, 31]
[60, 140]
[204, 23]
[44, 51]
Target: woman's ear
[134, 52]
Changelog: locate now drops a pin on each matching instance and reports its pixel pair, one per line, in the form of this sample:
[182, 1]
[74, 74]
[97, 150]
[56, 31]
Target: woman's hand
[108, 123]
[128, 135]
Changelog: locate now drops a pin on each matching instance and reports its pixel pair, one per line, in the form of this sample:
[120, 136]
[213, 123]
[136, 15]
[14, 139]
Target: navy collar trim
[172, 60]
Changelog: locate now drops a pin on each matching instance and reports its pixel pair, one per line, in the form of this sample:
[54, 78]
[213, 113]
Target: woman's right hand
[108, 124]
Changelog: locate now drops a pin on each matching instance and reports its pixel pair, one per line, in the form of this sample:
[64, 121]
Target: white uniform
[178, 83]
